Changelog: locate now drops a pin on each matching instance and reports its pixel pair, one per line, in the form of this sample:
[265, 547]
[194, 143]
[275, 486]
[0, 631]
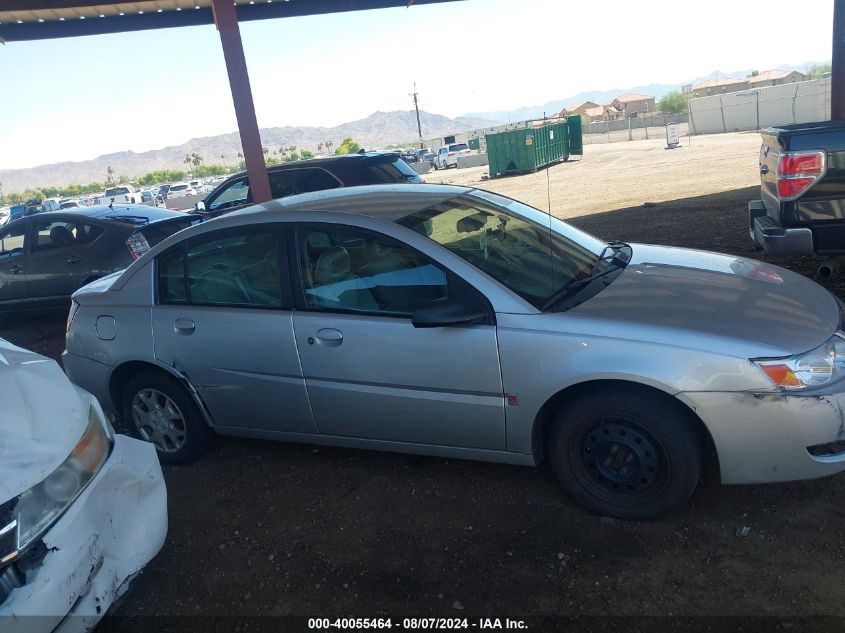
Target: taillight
[451, 153]
[137, 244]
[798, 171]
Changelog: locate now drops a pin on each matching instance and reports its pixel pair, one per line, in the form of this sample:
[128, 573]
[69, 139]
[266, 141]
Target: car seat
[336, 286]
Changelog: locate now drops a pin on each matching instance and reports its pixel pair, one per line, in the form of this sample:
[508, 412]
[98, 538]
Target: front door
[223, 318]
[12, 259]
[369, 372]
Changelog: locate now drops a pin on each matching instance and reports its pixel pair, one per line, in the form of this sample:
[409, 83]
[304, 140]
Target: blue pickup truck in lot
[801, 210]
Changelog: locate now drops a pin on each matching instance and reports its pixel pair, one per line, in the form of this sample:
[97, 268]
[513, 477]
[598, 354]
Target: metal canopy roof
[23, 20]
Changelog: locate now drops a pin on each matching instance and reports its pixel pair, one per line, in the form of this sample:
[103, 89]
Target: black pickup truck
[802, 205]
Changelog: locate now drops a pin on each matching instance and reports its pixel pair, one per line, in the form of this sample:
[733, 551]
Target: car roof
[317, 162]
[386, 202]
[124, 213]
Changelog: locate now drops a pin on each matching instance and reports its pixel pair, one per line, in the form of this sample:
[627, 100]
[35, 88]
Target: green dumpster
[474, 143]
[526, 150]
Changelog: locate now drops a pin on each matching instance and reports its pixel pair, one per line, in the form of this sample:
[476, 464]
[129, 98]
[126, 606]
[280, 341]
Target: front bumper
[115, 527]
[765, 437]
[767, 234]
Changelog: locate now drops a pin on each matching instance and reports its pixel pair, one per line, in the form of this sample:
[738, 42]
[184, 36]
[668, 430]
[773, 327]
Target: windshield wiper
[614, 263]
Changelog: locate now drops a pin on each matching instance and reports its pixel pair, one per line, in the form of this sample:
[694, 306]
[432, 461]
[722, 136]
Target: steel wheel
[617, 457]
[158, 419]
[626, 451]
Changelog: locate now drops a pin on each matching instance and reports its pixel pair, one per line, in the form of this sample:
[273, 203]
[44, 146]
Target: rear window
[158, 231]
[178, 187]
[117, 191]
[140, 214]
[386, 170]
[458, 147]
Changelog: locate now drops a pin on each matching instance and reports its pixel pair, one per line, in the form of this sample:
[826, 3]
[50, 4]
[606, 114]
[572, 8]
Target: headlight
[815, 368]
[35, 510]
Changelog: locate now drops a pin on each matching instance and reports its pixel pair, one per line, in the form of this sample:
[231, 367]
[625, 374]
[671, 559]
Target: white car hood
[42, 417]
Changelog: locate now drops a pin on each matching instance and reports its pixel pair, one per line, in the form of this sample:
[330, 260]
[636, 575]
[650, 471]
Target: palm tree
[110, 177]
[223, 159]
[319, 148]
[196, 160]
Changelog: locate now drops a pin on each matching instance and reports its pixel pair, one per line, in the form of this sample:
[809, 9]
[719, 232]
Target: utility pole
[417, 108]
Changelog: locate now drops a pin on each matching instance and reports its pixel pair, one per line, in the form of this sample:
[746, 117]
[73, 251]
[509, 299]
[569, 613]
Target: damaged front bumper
[772, 437]
[110, 532]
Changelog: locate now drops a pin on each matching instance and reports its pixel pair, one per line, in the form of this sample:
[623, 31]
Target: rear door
[223, 317]
[13, 286]
[63, 254]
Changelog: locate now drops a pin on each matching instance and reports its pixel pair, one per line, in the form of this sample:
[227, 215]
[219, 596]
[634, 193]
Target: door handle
[328, 337]
[185, 327]
[764, 169]
[16, 269]
[73, 259]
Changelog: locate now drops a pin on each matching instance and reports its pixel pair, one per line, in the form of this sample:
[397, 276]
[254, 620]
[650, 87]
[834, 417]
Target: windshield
[511, 242]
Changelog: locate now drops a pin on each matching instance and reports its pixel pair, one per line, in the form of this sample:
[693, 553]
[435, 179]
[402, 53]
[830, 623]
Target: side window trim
[281, 231]
[454, 281]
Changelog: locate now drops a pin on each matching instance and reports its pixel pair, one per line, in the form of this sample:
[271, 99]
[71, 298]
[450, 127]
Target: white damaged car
[82, 510]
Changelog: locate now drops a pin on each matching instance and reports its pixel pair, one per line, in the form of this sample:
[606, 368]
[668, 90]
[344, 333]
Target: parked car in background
[70, 204]
[147, 196]
[447, 156]
[123, 194]
[5, 213]
[162, 192]
[425, 154]
[180, 190]
[624, 365]
[316, 174]
[44, 258]
[82, 510]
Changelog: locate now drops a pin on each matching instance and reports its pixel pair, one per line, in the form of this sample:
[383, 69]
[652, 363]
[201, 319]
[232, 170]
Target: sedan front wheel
[626, 453]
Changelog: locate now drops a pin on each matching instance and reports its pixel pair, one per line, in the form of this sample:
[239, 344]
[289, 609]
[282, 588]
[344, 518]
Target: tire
[183, 437]
[626, 454]
[435, 166]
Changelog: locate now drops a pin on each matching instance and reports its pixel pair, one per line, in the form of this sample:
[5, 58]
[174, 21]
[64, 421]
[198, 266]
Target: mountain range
[377, 130]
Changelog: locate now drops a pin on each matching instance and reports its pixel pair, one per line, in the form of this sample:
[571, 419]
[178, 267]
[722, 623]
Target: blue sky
[75, 99]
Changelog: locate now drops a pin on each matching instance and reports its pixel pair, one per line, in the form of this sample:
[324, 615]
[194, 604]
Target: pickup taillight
[451, 153]
[798, 171]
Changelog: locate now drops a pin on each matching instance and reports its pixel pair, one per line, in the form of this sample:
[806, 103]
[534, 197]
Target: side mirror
[199, 207]
[448, 312]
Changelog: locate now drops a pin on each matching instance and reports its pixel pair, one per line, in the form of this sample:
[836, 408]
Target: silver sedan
[455, 322]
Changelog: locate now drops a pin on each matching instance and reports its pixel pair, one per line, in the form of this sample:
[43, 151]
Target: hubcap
[622, 457]
[159, 420]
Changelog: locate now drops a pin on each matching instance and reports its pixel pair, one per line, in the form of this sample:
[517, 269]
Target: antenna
[417, 108]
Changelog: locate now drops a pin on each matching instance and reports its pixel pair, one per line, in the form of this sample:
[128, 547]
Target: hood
[776, 311]
[42, 417]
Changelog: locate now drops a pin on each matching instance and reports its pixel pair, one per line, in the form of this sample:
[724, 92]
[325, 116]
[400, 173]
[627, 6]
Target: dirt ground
[261, 528]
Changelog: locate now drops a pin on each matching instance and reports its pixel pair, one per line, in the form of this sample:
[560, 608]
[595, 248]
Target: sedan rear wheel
[631, 454]
[159, 411]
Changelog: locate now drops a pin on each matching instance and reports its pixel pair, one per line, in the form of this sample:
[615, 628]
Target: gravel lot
[270, 528]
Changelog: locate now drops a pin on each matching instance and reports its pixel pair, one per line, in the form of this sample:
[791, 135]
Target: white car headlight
[815, 368]
[35, 510]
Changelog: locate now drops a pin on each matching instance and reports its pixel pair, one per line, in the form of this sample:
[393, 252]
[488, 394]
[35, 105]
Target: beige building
[632, 105]
[718, 86]
[775, 78]
[578, 108]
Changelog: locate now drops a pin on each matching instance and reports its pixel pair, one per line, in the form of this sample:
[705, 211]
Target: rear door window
[390, 169]
[63, 233]
[311, 179]
[234, 269]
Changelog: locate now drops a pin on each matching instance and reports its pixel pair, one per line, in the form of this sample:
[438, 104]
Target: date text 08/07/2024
[414, 624]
